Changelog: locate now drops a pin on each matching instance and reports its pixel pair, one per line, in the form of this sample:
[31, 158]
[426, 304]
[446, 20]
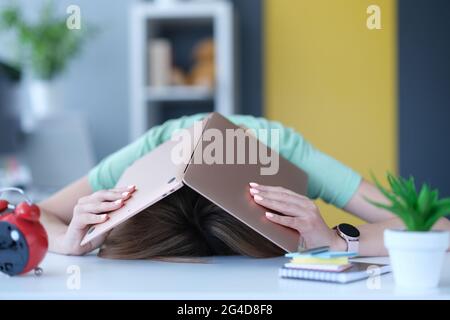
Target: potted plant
[416, 253]
[44, 50]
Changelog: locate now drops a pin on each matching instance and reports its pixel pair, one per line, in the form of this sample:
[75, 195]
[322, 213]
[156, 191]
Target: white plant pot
[45, 98]
[416, 257]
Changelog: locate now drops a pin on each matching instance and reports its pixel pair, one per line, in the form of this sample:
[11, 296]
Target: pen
[315, 250]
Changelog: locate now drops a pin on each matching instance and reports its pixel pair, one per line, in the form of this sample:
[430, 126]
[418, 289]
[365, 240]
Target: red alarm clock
[23, 239]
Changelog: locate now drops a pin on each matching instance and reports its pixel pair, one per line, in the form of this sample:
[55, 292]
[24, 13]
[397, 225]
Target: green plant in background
[418, 210]
[46, 46]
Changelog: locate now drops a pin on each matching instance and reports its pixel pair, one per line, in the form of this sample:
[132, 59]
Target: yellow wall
[334, 80]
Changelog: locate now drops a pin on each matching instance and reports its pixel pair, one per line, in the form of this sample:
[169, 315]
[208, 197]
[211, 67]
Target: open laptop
[157, 175]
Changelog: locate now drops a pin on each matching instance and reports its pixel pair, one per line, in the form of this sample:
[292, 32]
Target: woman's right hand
[90, 210]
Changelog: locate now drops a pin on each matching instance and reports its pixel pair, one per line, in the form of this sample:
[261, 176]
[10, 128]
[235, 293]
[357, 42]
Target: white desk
[221, 278]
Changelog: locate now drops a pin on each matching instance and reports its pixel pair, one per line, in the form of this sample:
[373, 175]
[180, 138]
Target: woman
[68, 214]
[185, 224]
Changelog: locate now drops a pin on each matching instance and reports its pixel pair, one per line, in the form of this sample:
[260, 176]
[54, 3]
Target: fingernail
[257, 198]
[132, 186]
[268, 214]
[254, 191]
[125, 194]
[103, 216]
[253, 184]
[118, 201]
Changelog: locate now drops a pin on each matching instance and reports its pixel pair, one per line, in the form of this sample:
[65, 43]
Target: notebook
[358, 271]
[319, 267]
[313, 260]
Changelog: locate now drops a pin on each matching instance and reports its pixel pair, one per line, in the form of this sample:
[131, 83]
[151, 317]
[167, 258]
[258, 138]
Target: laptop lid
[227, 184]
[155, 175]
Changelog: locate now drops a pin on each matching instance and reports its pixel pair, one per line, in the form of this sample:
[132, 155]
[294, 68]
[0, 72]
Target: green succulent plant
[419, 210]
[45, 47]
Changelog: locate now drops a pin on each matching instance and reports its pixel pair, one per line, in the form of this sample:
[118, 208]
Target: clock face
[349, 230]
[13, 249]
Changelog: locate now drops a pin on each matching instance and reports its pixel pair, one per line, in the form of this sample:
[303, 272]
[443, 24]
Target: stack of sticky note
[333, 261]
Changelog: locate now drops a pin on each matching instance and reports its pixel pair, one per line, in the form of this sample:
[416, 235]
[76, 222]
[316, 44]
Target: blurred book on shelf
[160, 63]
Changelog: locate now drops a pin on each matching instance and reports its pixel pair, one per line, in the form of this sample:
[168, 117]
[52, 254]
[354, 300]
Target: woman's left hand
[299, 213]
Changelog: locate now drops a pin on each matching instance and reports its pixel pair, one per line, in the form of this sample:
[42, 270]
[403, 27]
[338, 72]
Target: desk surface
[220, 278]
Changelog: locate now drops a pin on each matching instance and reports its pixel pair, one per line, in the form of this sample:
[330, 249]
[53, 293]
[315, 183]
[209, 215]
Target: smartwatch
[350, 234]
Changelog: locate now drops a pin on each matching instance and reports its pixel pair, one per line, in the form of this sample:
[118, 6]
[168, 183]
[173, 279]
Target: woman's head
[185, 224]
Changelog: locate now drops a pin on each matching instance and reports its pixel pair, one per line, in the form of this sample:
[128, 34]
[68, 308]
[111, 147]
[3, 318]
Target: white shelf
[181, 10]
[145, 19]
[179, 93]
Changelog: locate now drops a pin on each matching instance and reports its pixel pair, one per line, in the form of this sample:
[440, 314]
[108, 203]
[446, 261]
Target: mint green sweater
[329, 179]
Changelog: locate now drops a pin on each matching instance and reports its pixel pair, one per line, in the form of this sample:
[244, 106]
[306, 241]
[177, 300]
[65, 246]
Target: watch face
[349, 230]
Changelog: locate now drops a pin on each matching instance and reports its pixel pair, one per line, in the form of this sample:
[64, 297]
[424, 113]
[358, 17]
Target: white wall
[96, 82]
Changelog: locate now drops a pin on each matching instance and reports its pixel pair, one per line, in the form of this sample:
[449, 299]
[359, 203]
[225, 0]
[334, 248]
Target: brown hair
[185, 224]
